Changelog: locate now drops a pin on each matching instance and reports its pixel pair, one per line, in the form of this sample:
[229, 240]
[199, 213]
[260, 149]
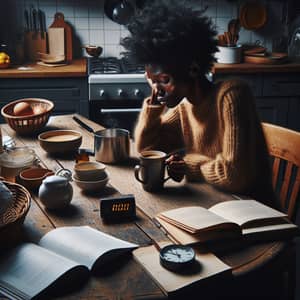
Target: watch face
[176, 257]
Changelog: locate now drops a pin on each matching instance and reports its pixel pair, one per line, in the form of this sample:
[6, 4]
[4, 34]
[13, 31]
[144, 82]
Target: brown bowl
[94, 51]
[32, 178]
[60, 141]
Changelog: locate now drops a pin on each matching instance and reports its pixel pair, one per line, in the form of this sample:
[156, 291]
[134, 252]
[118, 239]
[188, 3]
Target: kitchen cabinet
[70, 95]
[277, 96]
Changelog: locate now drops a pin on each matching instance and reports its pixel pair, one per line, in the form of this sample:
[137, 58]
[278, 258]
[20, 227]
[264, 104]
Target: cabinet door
[294, 114]
[69, 95]
[273, 110]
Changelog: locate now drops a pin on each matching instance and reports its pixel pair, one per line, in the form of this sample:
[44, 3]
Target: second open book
[231, 219]
[64, 255]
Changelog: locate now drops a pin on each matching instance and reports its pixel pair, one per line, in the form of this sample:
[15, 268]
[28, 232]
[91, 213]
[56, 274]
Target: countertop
[246, 68]
[78, 68]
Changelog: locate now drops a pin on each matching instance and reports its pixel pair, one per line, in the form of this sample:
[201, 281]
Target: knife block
[34, 42]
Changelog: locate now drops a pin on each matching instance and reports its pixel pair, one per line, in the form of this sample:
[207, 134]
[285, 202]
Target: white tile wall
[91, 26]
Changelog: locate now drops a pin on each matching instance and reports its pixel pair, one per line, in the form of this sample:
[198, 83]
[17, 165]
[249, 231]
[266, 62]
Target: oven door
[112, 114]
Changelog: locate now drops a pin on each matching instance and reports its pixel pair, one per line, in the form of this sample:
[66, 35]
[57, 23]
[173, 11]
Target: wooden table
[128, 280]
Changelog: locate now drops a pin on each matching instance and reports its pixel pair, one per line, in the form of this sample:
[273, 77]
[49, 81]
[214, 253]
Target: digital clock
[119, 207]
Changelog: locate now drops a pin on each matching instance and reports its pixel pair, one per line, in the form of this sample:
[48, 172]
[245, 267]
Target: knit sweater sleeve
[230, 169]
[158, 129]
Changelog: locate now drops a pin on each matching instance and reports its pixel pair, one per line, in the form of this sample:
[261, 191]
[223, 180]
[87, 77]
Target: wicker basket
[28, 124]
[17, 210]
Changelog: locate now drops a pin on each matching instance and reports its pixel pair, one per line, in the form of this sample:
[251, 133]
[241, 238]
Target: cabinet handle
[120, 110]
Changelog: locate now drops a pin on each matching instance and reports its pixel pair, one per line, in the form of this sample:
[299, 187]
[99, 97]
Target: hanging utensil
[233, 30]
[119, 11]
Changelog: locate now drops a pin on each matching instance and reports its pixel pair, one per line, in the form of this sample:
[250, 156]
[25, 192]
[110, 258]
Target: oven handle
[120, 110]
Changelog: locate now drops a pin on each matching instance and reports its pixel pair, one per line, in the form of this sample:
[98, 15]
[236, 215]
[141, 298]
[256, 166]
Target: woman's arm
[157, 129]
[233, 168]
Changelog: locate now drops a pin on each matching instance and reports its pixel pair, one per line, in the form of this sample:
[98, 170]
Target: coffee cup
[151, 170]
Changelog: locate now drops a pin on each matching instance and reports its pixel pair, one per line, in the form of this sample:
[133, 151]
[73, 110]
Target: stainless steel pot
[111, 145]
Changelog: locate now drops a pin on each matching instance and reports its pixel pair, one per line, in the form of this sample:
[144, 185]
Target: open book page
[248, 213]
[29, 269]
[207, 266]
[195, 219]
[183, 237]
[84, 244]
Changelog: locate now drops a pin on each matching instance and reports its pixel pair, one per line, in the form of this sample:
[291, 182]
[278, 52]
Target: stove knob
[138, 93]
[102, 93]
[121, 93]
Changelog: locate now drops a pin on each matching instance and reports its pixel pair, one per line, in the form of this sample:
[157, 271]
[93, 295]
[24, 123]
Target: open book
[63, 254]
[230, 219]
[208, 269]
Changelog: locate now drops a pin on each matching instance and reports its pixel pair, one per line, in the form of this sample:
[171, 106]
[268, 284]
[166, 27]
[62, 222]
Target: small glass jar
[82, 155]
[13, 161]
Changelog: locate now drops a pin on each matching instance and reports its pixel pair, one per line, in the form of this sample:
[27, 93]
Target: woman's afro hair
[171, 33]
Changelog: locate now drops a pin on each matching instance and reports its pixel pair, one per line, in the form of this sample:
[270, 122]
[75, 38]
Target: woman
[216, 124]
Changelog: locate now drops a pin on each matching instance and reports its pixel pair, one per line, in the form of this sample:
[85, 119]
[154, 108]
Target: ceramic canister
[55, 192]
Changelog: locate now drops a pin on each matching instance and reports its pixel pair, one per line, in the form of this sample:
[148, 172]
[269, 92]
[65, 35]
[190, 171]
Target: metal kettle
[294, 45]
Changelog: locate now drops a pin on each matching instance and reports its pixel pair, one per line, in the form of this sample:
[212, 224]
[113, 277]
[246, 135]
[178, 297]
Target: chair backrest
[284, 148]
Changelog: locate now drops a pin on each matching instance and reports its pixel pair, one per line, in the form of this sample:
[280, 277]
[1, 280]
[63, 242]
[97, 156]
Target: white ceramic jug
[55, 192]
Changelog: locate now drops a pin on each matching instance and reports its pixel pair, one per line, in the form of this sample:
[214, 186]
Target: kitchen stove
[113, 65]
[117, 89]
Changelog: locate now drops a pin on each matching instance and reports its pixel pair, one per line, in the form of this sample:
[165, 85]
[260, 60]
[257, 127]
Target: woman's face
[170, 90]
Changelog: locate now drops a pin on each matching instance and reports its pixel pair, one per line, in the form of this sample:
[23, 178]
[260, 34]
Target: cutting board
[59, 22]
[56, 40]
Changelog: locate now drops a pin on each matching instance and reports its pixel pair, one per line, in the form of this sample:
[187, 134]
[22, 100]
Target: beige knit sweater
[222, 136]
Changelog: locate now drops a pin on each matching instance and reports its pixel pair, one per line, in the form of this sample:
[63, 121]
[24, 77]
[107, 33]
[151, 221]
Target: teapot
[56, 192]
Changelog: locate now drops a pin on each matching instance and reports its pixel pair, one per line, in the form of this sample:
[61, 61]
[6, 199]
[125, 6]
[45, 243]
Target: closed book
[208, 269]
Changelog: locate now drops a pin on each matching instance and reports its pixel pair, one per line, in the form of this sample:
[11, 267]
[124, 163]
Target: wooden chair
[284, 148]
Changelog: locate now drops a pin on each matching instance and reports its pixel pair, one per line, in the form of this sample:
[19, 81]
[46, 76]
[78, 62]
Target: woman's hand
[176, 167]
[154, 92]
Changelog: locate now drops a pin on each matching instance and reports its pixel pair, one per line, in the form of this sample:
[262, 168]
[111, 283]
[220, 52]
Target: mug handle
[136, 174]
[169, 177]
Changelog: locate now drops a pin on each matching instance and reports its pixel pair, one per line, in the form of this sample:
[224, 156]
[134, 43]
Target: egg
[38, 110]
[22, 109]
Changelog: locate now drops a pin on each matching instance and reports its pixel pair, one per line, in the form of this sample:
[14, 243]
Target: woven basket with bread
[27, 116]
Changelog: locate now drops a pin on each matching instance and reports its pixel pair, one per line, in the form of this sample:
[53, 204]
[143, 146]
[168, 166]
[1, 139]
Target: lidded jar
[55, 192]
[13, 161]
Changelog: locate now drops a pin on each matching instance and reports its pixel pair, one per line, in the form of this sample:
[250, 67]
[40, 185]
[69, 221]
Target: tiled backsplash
[91, 26]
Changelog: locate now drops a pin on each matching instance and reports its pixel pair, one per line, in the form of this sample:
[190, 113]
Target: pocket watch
[177, 257]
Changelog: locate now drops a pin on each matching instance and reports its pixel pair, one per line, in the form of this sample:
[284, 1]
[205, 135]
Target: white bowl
[90, 171]
[90, 185]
